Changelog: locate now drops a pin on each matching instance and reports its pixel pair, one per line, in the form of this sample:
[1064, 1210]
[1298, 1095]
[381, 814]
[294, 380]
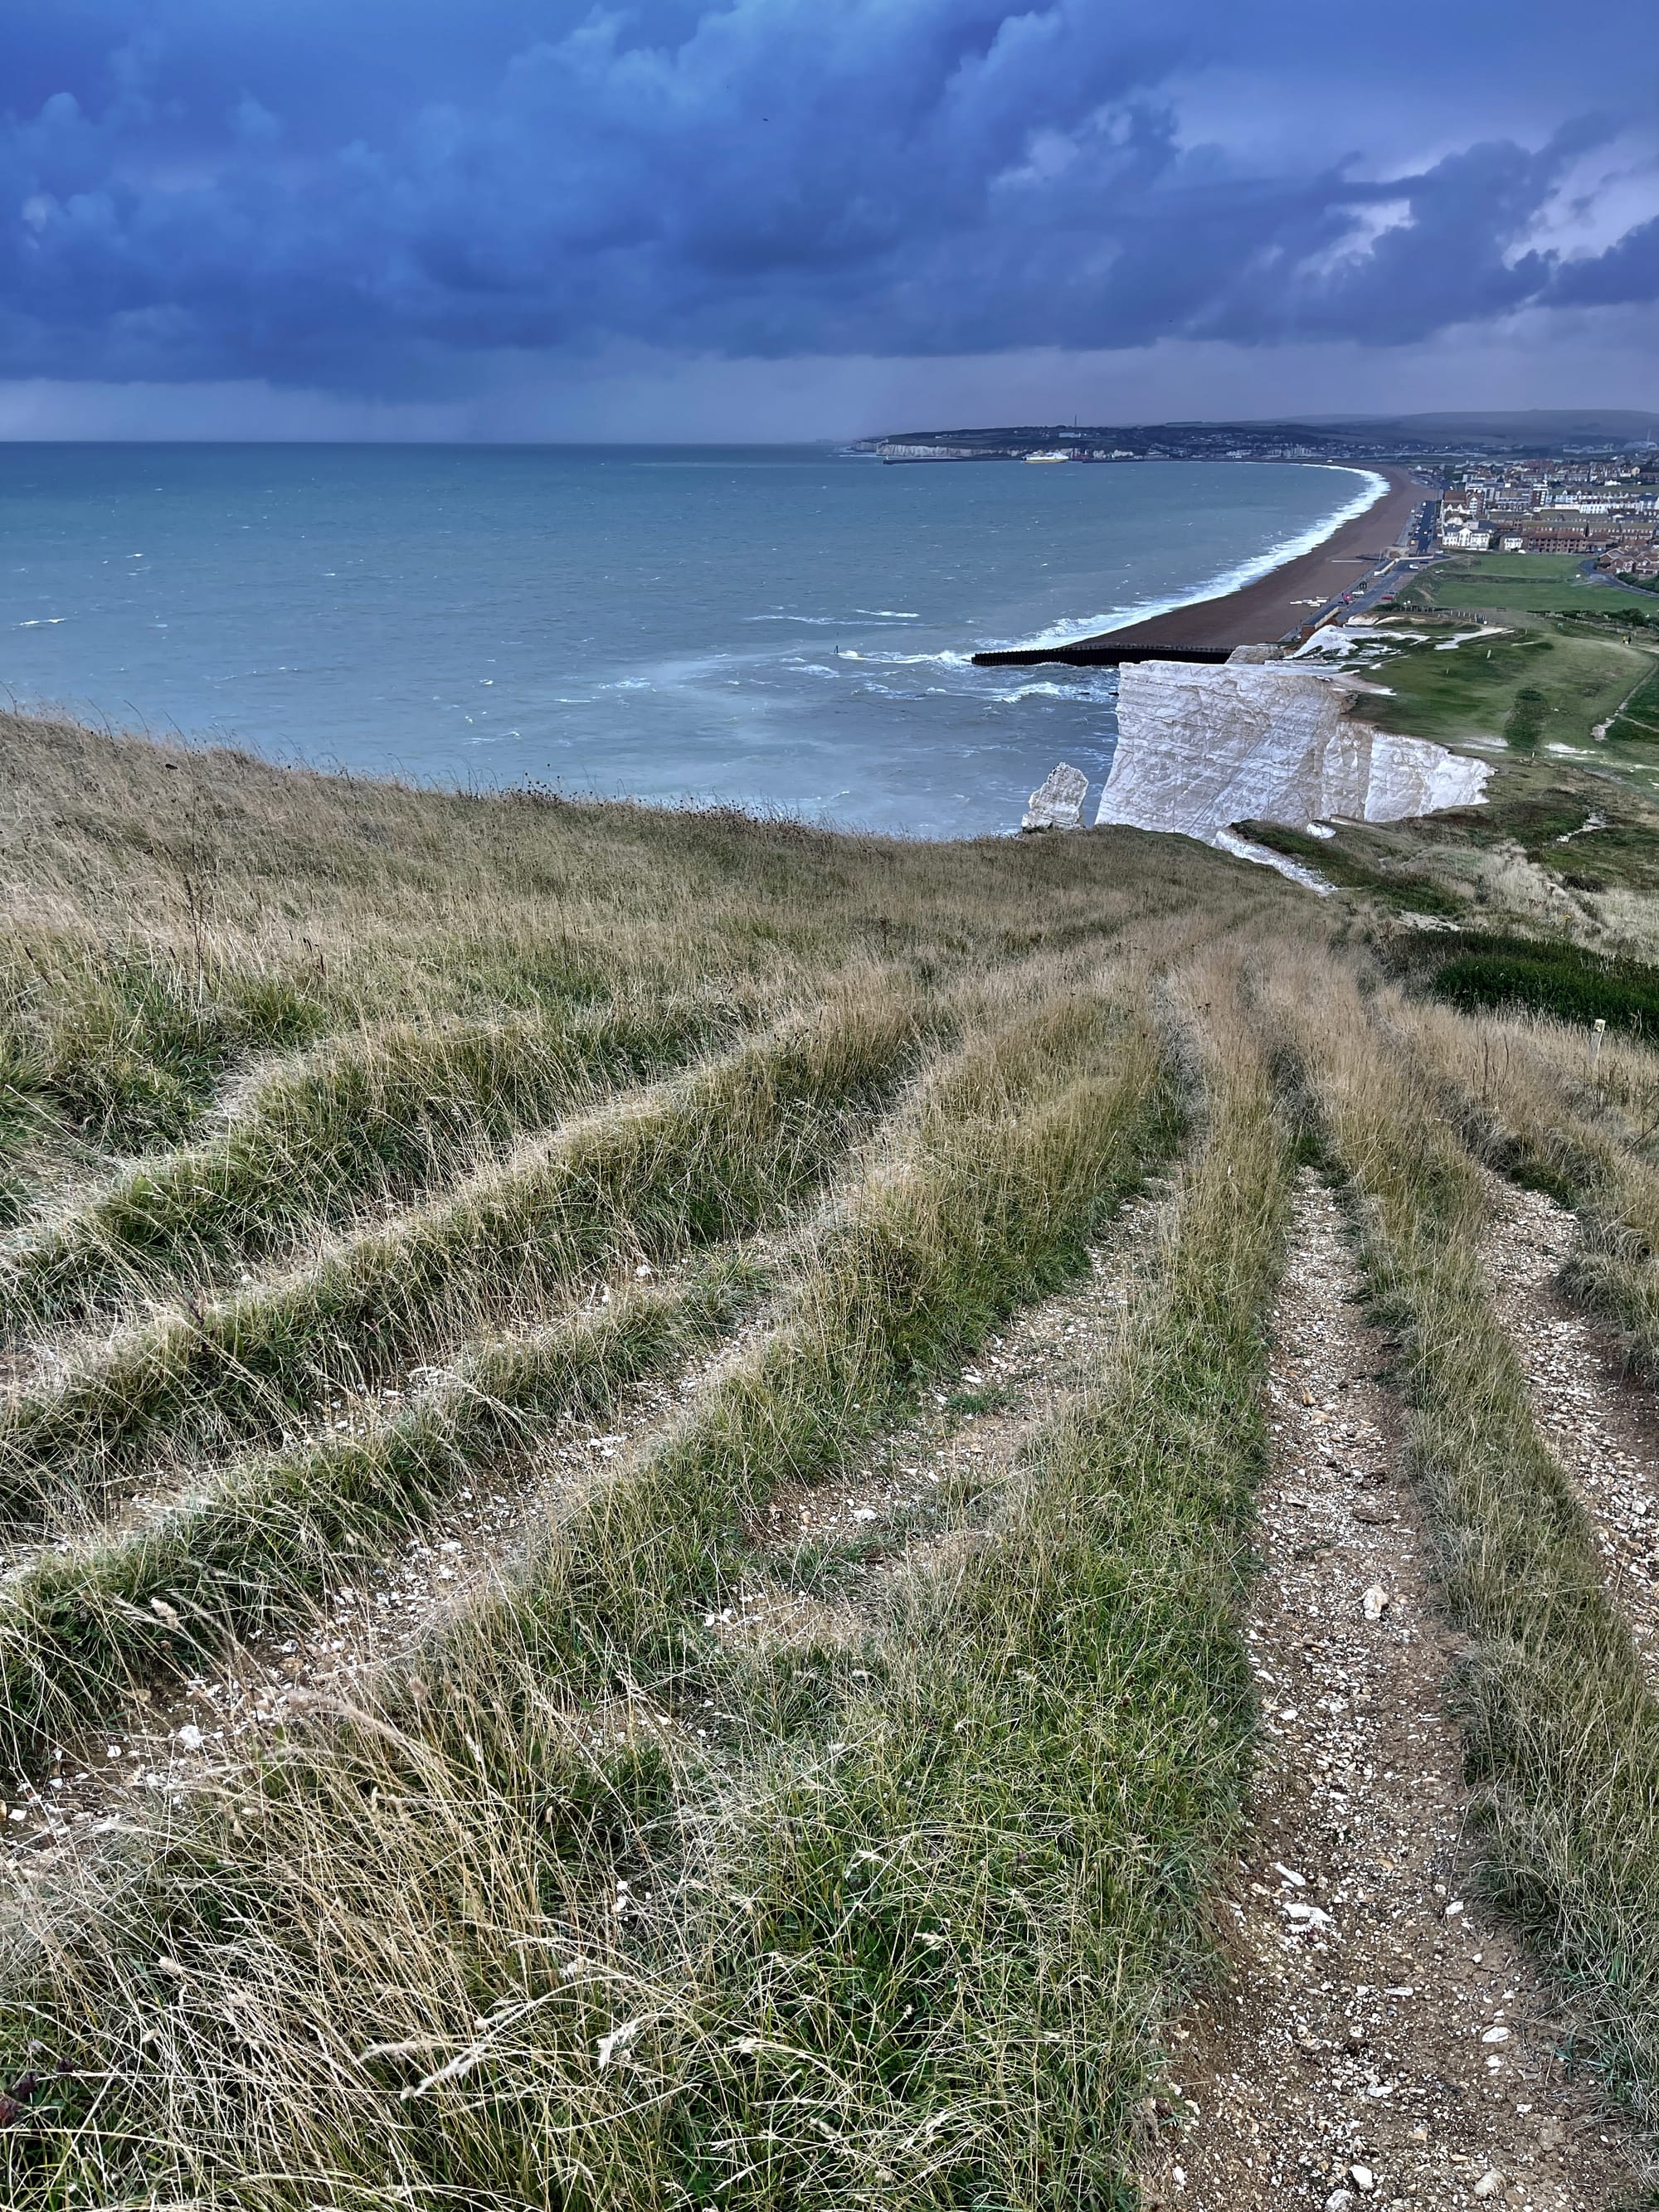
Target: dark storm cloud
[367, 196]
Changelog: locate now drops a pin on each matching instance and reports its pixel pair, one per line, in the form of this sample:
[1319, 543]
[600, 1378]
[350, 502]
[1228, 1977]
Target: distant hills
[1363, 436]
[1548, 426]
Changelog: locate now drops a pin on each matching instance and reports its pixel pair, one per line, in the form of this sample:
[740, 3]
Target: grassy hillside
[1521, 655]
[493, 1708]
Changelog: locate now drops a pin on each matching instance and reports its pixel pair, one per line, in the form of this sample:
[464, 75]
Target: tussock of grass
[1563, 1737]
[383, 1973]
[711, 1155]
[126, 1045]
[381, 1118]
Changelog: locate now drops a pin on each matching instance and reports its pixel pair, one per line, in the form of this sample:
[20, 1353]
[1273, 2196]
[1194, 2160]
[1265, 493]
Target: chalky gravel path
[1380, 2040]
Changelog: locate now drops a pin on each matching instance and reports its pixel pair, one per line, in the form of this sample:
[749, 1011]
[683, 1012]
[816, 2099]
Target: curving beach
[1263, 611]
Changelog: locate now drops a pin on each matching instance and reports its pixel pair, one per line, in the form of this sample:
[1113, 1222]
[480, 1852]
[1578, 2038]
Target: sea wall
[1198, 748]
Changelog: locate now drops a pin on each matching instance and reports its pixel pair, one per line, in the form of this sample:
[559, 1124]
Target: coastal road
[1364, 596]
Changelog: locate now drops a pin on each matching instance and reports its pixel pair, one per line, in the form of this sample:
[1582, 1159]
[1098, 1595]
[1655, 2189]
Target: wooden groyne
[1095, 653]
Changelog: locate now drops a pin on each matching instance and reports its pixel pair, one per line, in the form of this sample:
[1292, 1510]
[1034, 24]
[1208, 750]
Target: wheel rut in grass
[378, 1607]
[1603, 1427]
[1380, 2039]
[822, 1560]
[826, 1551]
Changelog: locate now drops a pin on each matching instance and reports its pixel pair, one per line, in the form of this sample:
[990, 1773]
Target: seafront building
[1600, 507]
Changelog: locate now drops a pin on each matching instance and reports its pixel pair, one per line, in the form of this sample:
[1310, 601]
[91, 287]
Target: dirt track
[1382, 2040]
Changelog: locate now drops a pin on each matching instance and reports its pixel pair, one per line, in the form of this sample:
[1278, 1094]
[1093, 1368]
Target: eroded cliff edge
[1201, 747]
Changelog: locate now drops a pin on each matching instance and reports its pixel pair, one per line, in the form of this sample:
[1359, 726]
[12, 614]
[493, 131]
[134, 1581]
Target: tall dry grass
[535, 1926]
[1579, 1117]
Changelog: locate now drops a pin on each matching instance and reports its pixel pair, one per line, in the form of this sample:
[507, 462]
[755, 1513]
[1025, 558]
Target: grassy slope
[1536, 684]
[1558, 663]
[912, 1890]
[1561, 658]
[1554, 850]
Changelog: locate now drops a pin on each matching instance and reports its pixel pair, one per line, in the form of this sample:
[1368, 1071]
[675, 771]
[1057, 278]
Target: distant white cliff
[1200, 747]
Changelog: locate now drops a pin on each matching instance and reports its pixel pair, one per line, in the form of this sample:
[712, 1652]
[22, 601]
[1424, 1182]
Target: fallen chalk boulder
[1057, 802]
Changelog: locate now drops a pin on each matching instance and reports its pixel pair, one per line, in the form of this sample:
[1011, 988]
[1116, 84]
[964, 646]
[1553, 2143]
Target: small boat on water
[1030, 458]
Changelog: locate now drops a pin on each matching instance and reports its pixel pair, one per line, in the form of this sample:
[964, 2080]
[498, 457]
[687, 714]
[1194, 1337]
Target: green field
[1556, 660]
[1637, 720]
[1545, 583]
[1534, 682]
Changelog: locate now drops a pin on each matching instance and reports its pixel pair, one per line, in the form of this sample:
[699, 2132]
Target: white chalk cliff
[1201, 746]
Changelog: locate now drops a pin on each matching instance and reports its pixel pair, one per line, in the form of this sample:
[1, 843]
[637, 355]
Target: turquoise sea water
[778, 626]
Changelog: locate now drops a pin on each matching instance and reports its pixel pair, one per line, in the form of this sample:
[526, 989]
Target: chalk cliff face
[1200, 747]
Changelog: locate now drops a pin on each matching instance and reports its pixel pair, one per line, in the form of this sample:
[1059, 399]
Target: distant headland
[1316, 438]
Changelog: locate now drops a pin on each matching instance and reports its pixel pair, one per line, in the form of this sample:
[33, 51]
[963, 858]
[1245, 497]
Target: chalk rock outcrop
[1057, 802]
[1200, 746]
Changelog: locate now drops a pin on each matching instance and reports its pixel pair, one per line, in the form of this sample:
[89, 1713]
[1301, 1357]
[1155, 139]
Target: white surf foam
[1068, 631]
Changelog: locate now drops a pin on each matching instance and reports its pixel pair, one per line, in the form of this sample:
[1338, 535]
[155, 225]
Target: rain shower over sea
[780, 628]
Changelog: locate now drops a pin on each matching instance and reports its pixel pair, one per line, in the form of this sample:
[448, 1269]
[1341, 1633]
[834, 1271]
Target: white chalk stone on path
[1202, 745]
[1057, 802]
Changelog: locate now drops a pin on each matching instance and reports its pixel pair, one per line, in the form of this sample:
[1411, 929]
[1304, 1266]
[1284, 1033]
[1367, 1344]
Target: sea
[784, 629]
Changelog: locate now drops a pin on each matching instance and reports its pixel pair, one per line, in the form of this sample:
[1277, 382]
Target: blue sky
[807, 218]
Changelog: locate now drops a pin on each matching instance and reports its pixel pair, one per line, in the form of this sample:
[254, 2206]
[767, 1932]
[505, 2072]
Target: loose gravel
[1379, 2038]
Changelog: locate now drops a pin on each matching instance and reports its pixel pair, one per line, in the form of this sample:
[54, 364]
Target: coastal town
[1604, 507]
[1587, 486]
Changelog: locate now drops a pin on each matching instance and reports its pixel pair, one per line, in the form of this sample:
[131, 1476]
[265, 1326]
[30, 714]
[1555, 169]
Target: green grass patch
[127, 1047]
[1333, 860]
[1534, 583]
[370, 1121]
[1546, 976]
[1637, 721]
[1535, 684]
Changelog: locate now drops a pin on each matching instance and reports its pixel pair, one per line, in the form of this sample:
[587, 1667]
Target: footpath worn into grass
[715, 1154]
[1378, 2017]
[82, 1627]
[380, 1120]
[1563, 1732]
[1528, 1098]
